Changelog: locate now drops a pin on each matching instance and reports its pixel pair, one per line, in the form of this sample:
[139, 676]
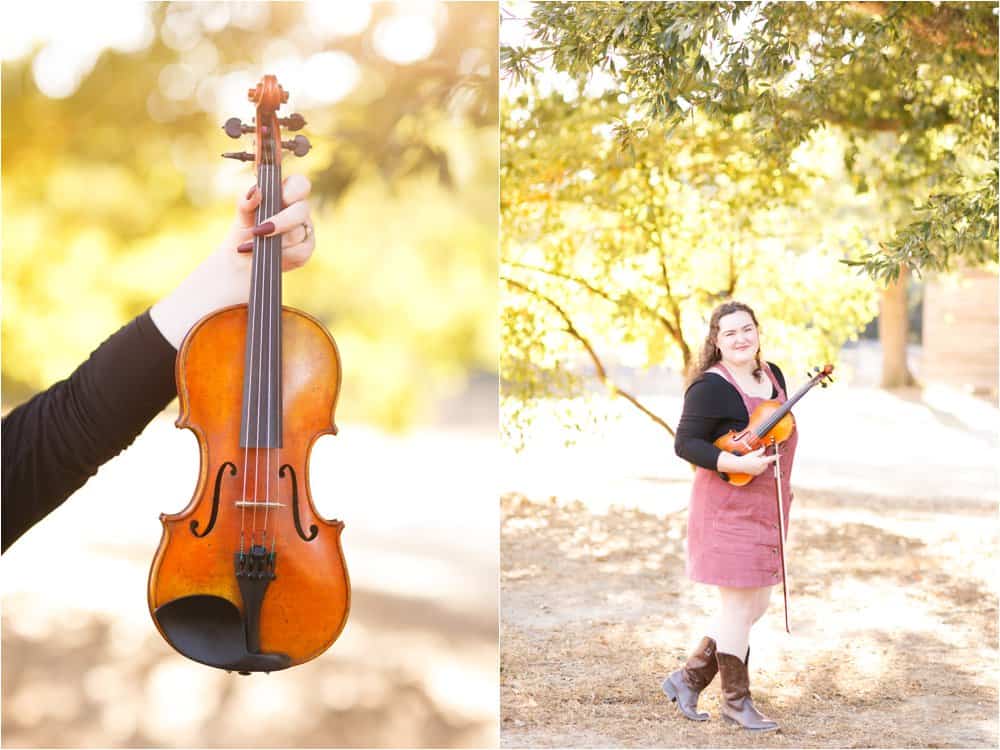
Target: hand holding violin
[753, 463]
[223, 278]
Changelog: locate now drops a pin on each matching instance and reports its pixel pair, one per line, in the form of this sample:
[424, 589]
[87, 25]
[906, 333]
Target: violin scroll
[821, 376]
[268, 95]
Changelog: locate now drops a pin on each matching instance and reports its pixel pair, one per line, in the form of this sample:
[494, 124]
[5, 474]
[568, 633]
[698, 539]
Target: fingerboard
[261, 423]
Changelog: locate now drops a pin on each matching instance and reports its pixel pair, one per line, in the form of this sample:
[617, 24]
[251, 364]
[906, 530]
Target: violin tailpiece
[254, 571]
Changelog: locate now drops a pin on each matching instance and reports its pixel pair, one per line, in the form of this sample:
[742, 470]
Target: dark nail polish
[251, 191]
[245, 247]
[261, 229]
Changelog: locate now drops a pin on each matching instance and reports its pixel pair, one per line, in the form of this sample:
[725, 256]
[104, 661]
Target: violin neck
[261, 421]
[786, 407]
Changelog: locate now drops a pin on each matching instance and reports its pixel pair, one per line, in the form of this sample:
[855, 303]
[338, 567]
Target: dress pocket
[736, 529]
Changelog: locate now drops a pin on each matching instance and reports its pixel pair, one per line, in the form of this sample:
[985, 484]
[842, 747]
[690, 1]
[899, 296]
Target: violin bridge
[257, 504]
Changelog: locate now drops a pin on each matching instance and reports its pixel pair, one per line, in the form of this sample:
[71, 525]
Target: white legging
[738, 611]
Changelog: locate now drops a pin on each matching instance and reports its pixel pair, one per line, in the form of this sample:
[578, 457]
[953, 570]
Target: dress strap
[774, 381]
[720, 369]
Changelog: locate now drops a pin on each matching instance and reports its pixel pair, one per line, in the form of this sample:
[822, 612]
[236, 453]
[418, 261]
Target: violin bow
[781, 531]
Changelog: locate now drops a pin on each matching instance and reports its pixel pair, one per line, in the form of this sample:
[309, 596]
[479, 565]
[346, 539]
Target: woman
[732, 531]
[55, 442]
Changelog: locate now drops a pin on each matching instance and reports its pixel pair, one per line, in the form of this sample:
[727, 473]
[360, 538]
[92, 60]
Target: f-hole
[215, 500]
[313, 530]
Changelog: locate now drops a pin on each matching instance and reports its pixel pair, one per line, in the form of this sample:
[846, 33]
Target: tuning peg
[234, 128]
[299, 145]
[240, 155]
[294, 121]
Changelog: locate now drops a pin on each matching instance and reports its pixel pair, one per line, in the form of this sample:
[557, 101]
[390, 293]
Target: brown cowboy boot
[736, 704]
[684, 685]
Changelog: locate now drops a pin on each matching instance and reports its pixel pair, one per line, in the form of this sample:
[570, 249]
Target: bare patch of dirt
[894, 620]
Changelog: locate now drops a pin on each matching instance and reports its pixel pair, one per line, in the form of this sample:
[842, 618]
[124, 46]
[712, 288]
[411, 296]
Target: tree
[613, 257]
[924, 74]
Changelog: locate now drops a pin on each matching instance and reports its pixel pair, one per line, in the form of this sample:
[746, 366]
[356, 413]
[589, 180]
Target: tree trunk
[893, 331]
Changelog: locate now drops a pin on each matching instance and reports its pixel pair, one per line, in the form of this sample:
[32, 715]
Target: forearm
[221, 280]
[696, 451]
[56, 441]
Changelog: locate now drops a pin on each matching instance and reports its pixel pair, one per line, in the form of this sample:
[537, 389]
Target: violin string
[252, 312]
[274, 338]
[270, 331]
[266, 205]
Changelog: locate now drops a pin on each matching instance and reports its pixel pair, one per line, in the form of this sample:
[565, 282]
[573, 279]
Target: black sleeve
[712, 407]
[55, 442]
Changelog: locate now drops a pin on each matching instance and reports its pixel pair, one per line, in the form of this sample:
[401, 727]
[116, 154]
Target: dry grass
[894, 627]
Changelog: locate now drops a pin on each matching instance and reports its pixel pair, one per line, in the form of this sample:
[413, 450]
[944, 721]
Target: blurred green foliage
[924, 74]
[113, 193]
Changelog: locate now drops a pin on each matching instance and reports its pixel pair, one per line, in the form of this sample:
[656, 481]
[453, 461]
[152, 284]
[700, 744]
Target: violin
[770, 424]
[249, 577]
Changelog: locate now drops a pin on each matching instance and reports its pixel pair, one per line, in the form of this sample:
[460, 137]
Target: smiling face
[737, 339]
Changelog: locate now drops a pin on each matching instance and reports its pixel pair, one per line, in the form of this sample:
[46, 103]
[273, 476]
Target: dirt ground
[894, 621]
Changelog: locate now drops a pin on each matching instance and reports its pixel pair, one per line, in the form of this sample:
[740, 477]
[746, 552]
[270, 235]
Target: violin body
[751, 438]
[285, 607]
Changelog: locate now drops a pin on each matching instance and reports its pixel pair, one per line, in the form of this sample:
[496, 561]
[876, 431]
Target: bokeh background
[113, 189]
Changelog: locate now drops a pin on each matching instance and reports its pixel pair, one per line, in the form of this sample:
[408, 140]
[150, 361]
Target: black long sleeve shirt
[56, 441]
[712, 407]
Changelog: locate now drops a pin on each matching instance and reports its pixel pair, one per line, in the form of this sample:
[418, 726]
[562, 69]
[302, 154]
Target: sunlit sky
[69, 39]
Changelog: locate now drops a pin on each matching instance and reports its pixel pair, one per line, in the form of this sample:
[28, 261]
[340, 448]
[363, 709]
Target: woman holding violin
[734, 532]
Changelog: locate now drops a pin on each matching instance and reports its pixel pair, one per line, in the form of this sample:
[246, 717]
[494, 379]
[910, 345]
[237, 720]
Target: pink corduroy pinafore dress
[732, 537]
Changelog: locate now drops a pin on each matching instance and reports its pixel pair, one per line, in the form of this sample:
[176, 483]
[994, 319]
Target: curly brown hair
[710, 354]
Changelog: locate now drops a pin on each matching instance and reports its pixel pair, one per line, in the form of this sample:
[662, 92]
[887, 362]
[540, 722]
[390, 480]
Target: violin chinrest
[210, 630]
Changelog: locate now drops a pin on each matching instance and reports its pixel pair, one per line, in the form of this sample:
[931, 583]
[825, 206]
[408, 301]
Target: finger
[297, 240]
[296, 255]
[247, 206]
[294, 188]
[296, 235]
[296, 214]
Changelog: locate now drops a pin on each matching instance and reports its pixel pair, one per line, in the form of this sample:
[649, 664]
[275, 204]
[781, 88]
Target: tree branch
[675, 333]
[601, 371]
[676, 310]
[559, 274]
